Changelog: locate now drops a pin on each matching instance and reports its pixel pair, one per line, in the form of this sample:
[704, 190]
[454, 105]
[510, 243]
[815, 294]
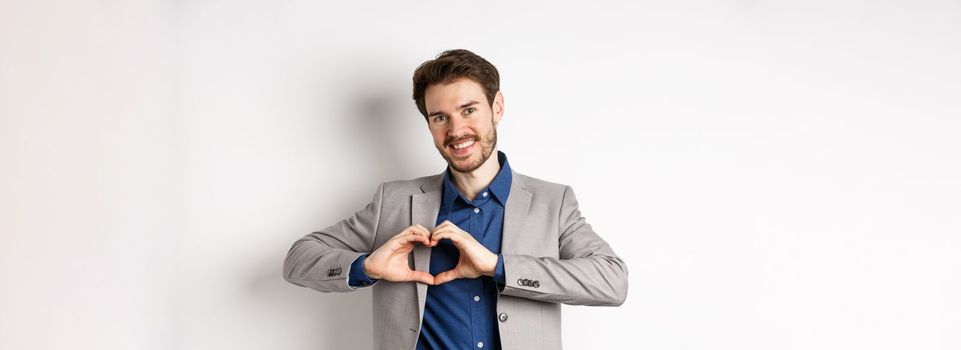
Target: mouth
[462, 148]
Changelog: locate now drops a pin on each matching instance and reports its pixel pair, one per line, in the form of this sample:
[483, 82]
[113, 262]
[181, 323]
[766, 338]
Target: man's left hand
[475, 260]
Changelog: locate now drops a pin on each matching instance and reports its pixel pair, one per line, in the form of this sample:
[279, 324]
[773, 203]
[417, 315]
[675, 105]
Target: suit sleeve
[322, 260]
[587, 271]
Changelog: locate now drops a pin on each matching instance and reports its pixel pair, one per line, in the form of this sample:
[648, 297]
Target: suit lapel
[515, 212]
[424, 209]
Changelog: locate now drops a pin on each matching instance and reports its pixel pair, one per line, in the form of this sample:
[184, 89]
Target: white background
[777, 174]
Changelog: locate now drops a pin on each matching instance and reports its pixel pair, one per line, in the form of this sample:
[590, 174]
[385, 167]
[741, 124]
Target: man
[477, 257]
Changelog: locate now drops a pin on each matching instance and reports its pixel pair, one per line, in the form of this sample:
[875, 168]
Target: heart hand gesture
[389, 262]
[475, 259]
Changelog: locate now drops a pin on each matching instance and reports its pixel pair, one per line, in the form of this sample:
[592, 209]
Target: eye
[469, 110]
[439, 118]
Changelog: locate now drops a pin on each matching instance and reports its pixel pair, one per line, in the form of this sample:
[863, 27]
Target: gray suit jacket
[551, 255]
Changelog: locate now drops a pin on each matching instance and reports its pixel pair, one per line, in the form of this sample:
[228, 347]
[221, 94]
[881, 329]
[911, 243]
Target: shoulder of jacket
[408, 185]
[534, 184]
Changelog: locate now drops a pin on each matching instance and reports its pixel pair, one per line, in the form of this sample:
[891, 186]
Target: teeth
[464, 144]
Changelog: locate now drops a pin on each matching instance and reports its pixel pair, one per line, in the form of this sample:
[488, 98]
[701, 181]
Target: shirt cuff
[499, 270]
[356, 276]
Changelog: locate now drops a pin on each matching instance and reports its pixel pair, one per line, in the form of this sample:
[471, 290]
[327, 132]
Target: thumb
[422, 277]
[445, 277]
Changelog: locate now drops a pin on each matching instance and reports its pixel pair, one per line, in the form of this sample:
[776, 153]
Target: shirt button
[484, 194]
[477, 210]
[476, 298]
[502, 317]
[480, 344]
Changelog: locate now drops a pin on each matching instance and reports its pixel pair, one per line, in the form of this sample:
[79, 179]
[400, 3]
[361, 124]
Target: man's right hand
[389, 262]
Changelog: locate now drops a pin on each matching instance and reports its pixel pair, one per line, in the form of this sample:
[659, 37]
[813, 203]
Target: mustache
[450, 140]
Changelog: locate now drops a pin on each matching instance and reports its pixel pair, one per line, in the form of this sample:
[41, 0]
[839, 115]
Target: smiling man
[476, 257]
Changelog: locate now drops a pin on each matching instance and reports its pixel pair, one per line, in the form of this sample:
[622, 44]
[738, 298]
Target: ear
[498, 107]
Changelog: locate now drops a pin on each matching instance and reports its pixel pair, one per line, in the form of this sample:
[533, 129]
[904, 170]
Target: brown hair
[451, 65]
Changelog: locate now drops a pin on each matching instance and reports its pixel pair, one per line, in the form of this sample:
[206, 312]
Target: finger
[418, 230]
[443, 225]
[412, 230]
[447, 225]
[422, 277]
[437, 235]
[439, 228]
[455, 237]
[453, 226]
[426, 233]
[451, 233]
[401, 237]
[412, 239]
[445, 277]
[421, 230]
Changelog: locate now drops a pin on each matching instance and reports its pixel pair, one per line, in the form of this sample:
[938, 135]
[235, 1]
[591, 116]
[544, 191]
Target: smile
[464, 144]
[463, 148]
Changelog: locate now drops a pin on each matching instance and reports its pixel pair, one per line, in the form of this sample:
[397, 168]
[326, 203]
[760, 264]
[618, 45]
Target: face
[462, 123]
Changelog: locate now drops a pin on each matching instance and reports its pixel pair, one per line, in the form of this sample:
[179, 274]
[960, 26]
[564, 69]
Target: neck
[471, 183]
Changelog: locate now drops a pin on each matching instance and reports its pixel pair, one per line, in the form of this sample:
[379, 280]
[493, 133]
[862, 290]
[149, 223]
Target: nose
[458, 127]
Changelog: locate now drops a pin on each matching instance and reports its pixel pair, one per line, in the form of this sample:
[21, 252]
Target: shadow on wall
[384, 140]
[376, 111]
[381, 121]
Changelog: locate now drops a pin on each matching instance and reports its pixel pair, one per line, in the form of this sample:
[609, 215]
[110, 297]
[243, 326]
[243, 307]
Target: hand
[475, 260]
[389, 262]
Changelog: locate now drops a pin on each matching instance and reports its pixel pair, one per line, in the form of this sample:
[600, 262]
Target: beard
[487, 144]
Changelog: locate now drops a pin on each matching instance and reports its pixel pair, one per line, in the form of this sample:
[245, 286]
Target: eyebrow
[468, 104]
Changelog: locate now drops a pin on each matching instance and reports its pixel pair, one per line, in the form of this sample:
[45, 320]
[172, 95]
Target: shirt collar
[500, 187]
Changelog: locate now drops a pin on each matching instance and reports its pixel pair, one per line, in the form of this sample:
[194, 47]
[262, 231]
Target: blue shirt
[461, 314]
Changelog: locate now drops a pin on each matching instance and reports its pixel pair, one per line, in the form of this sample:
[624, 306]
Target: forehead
[452, 94]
